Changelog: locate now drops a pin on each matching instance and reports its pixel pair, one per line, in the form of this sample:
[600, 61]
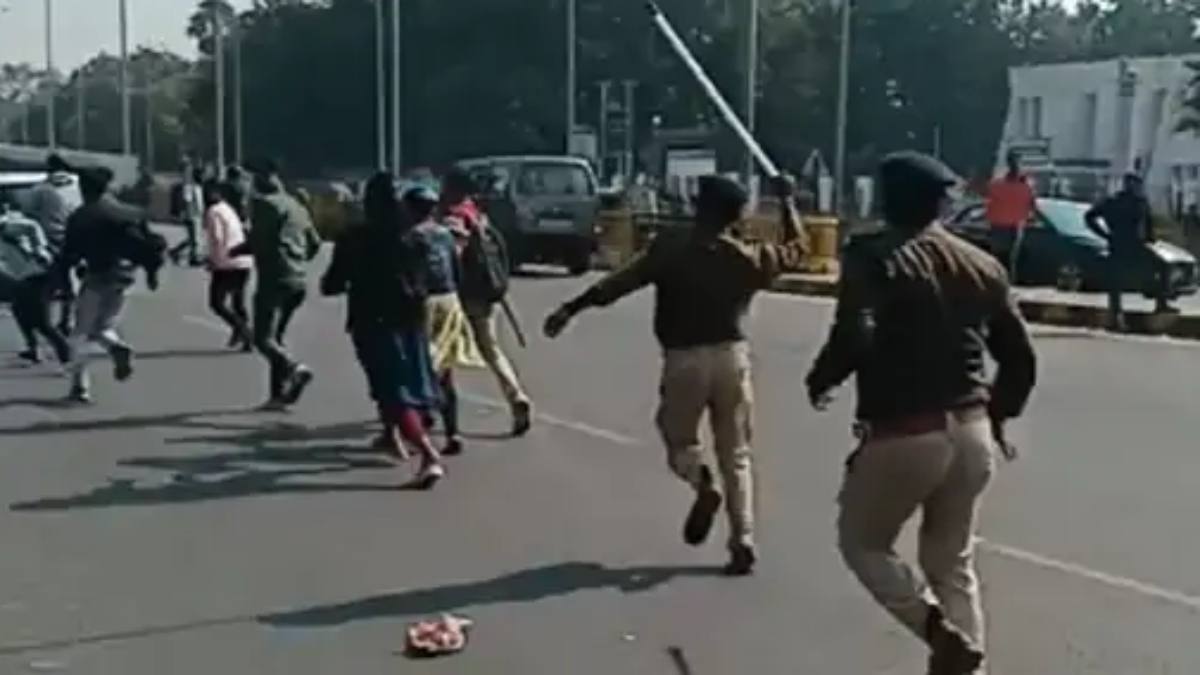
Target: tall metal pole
[239, 145]
[148, 162]
[602, 128]
[751, 111]
[80, 110]
[51, 108]
[126, 100]
[219, 76]
[839, 158]
[572, 76]
[381, 125]
[397, 163]
[627, 156]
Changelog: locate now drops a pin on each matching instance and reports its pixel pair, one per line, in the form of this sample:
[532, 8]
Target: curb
[1043, 312]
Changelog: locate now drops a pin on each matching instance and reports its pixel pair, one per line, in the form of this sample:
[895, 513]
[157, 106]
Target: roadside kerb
[1043, 312]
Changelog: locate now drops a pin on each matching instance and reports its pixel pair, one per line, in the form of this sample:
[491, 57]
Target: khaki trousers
[713, 379]
[945, 474]
[483, 325]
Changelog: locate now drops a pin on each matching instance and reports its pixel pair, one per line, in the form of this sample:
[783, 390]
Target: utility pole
[839, 159]
[218, 30]
[239, 137]
[397, 147]
[572, 75]
[80, 110]
[602, 127]
[126, 101]
[630, 87]
[51, 108]
[751, 111]
[148, 162]
[381, 124]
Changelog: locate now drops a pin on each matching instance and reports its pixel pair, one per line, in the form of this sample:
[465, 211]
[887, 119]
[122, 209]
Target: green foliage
[486, 76]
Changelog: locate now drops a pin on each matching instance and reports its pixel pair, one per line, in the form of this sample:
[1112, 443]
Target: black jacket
[111, 239]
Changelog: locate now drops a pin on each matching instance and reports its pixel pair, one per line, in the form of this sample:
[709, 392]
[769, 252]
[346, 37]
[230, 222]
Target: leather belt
[918, 423]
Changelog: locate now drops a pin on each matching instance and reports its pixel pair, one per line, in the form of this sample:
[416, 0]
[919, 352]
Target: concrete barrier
[1045, 312]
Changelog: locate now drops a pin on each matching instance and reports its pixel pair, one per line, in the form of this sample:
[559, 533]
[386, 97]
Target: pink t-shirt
[224, 230]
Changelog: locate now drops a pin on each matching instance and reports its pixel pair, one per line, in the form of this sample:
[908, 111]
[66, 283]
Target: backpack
[484, 264]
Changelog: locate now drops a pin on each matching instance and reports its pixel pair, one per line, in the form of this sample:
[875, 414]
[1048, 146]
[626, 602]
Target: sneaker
[122, 363]
[522, 418]
[951, 652]
[700, 519]
[428, 476]
[30, 356]
[301, 378]
[742, 559]
[79, 395]
[453, 447]
[274, 405]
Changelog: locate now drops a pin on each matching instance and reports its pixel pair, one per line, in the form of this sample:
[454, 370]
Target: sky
[82, 28]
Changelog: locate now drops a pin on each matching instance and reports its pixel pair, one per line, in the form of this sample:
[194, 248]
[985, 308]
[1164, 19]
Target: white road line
[1175, 597]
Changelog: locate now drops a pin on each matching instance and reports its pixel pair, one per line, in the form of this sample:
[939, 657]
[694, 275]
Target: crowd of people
[422, 274]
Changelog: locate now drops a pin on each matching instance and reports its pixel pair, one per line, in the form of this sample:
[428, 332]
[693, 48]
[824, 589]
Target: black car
[1058, 249]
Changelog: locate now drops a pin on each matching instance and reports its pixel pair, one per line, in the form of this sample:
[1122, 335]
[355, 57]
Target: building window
[1023, 118]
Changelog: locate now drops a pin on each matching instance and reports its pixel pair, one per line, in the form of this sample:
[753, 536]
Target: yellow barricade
[622, 233]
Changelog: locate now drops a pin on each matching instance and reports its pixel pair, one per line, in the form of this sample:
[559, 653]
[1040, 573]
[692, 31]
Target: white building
[1079, 126]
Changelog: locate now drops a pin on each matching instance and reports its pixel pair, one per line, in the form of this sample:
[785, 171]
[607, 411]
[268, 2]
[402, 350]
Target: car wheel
[1068, 278]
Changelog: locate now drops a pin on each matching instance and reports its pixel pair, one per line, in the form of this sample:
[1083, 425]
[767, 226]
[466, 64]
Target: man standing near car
[1009, 206]
[51, 203]
[1124, 220]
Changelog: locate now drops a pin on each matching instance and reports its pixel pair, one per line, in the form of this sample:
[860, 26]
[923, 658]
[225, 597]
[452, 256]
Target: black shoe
[522, 418]
[699, 521]
[453, 447]
[742, 559]
[79, 395]
[951, 652]
[301, 378]
[122, 363]
[30, 356]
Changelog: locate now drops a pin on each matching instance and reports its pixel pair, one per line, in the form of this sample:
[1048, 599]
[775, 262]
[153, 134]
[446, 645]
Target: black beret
[721, 191]
[916, 171]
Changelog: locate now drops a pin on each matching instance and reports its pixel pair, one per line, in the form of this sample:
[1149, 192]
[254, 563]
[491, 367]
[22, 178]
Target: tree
[88, 105]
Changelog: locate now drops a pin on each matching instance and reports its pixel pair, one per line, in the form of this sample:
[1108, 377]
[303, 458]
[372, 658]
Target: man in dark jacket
[240, 188]
[918, 309]
[283, 241]
[111, 240]
[1124, 220]
[704, 281]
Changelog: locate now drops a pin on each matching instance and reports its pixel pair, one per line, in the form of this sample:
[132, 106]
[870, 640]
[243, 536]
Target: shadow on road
[214, 352]
[518, 587]
[256, 471]
[68, 426]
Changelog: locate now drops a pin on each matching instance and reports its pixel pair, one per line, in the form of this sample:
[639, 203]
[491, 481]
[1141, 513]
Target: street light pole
[572, 75]
[218, 31]
[839, 159]
[238, 116]
[126, 103]
[381, 125]
[751, 83]
[51, 108]
[80, 110]
[397, 162]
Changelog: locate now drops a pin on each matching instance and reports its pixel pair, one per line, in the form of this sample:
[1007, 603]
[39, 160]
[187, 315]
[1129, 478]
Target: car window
[968, 215]
[1067, 218]
[555, 179]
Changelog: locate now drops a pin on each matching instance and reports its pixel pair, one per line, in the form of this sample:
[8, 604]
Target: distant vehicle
[1060, 250]
[18, 185]
[544, 205]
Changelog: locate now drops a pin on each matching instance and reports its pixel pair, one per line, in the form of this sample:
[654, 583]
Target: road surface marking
[1175, 597]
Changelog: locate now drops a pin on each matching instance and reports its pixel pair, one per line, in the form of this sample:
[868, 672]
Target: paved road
[165, 530]
[1188, 304]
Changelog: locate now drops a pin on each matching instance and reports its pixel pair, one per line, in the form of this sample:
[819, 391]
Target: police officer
[917, 311]
[705, 279]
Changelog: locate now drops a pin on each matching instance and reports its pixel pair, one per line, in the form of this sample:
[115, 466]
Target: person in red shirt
[462, 215]
[1009, 206]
